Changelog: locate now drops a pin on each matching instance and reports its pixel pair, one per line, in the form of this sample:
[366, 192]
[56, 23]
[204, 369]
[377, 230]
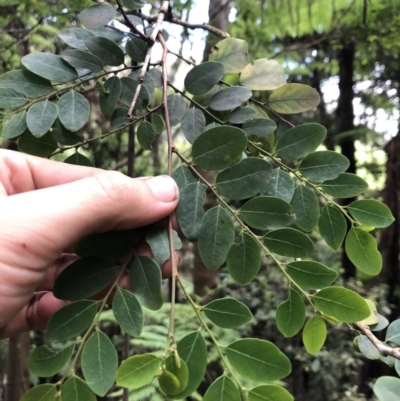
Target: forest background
[348, 50]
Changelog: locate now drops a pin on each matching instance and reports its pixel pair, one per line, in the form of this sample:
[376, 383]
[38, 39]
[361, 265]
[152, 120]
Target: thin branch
[25, 37]
[176, 20]
[383, 349]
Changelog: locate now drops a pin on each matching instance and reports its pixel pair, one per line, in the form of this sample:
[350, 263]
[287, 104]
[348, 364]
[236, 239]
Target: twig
[178, 21]
[383, 349]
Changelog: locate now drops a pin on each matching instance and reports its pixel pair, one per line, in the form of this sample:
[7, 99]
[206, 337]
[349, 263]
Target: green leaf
[293, 98]
[128, 312]
[99, 363]
[345, 185]
[181, 372]
[230, 98]
[10, 98]
[76, 389]
[361, 249]
[299, 141]
[193, 351]
[314, 335]
[232, 53]
[184, 176]
[82, 60]
[169, 384]
[106, 50]
[393, 333]
[76, 37]
[332, 226]
[305, 208]
[134, 4]
[385, 388]
[204, 100]
[145, 279]
[203, 77]
[269, 392]
[120, 117]
[370, 212]
[227, 313]
[64, 136]
[266, 213]
[71, 320]
[289, 242]
[78, 159]
[111, 244]
[42, 147]
[215, 238]
[258, 360]
[244, 260]
[15, 126]
[176, 108]
[136, 49]
[108, 101]
[190, 210]
[49, 66]
[241, 115]
[158, 240]
[259, 127]
[129, 86]
[145, 135]
[382, 323]
[193, 124]
[137, 371]
[44, 362]
[156, 76]
[280, 185]
[311, 275]
[84, 278]
[290, 315]
[73, 110]
[342, 304]
[219, 147]
[108, 33]
[41, 392]
[222, 389]
[244, 179]
[41, 117]
[158, 123]
[324, 165]
[263, 75]
[24, 81]
[367, 348]
[97, 16]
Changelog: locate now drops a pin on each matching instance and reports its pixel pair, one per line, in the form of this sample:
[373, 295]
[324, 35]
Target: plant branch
[383, 349]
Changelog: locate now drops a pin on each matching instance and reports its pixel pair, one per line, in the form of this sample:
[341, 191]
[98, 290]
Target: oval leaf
[241, 115]
[281, 185]
[176, 108]
[42, 392]
[99, 363]
[293, 98]
[97, 16]
[269, 392]
[263, 75]
[41, 117]
[332, 226]
[244, 260]
[266, 213]
[299, 141]
[129, 87]
[84, 278]
[108, 101]
[137, 371]
[258, 360]
[305, 207]
[145, 279]
[370, 212]
[43, 146]
[78, 159]
[345, 185]
[244, 179]
[393, 332]
[184, 176]
[193, 124]
[311, 275]
[76, 389]
[71, 320]
[73, 110]
[216, 236]
[82, 60]
[64, 136]
[106, 50]
[76, 37]
[223, 389]
[259, 127]
[361, 249]
[387, 388]
[227, 313]
[15, 126]
[219, 147]
[342, 304]
[314, 335]
[203, 77]
[290, 315]
[49, 66]
[324, 165]
[230, 98]
[232, 53]
[145, 135]
[136, 49]
[158, 239]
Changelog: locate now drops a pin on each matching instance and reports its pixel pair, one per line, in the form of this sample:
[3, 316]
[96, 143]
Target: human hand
[46, 207]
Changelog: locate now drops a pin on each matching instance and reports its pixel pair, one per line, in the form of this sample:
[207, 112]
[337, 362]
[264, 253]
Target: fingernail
[164, 188]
